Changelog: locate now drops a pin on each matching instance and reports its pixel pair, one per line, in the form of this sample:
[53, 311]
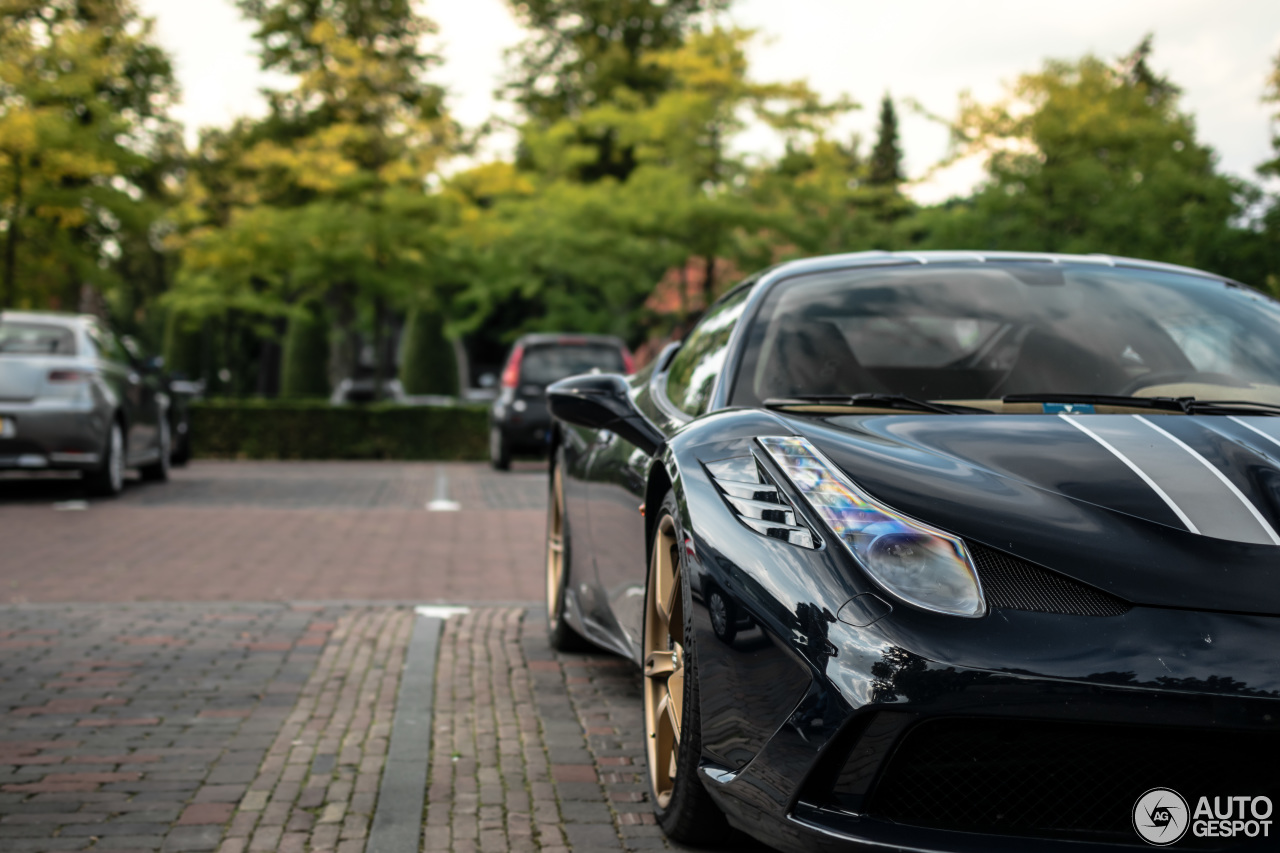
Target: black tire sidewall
[98, 482]
[691, 817]
[560, 635]
[501, 459]
[158, 471]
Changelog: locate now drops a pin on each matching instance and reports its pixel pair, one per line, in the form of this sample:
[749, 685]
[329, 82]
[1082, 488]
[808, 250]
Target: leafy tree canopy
[86, 151]
[1092, 156]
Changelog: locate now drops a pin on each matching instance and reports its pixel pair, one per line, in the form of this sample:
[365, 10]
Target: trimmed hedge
[267, 429]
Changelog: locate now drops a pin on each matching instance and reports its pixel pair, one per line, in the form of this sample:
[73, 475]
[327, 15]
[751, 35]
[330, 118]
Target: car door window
[695, 367]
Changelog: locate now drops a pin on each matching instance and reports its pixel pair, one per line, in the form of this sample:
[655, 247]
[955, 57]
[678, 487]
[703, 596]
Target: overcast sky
[1218, 52]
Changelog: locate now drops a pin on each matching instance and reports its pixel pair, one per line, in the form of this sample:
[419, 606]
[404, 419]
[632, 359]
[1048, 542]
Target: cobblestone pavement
[237, 727]
[534, 749]
[178, 696]
[278, 531]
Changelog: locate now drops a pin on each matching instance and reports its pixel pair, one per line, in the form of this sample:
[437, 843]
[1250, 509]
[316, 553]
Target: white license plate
[8, 429]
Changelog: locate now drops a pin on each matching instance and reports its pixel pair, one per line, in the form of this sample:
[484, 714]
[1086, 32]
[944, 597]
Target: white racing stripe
[1252, 428]
[1248, 504]
[1177, 510]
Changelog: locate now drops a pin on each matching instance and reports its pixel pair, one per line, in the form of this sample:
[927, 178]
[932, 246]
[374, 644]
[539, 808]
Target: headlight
[915, 562]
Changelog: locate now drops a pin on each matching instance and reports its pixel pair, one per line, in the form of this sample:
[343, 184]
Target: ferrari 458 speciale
[942, 551]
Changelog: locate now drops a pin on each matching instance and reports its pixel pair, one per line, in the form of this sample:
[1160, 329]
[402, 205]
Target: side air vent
[1015, 584]
[756, 501]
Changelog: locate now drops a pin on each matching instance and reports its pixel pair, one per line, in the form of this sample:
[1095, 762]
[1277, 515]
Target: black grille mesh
[1062, 780]
[1018, 585]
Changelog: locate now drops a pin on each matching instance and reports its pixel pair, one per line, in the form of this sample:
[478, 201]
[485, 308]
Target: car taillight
[511, 373]
[69, 376]
[628, 361]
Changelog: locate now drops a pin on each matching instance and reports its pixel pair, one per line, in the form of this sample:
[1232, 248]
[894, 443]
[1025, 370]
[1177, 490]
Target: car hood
[1162, 510]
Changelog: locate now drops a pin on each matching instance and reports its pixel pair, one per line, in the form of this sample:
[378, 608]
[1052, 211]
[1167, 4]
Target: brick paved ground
[265, 727]
[534, 749]
[248, 727]
[278, 532]
[137, 727]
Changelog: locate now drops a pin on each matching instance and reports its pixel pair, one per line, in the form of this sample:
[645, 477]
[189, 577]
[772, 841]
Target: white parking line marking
[442, 502]
[441, 611]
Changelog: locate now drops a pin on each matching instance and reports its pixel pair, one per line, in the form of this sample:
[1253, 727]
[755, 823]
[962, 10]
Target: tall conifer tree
[885, 168]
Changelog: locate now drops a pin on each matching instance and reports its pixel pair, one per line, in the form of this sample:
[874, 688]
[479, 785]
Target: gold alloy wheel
[664, 661]
[555, 547]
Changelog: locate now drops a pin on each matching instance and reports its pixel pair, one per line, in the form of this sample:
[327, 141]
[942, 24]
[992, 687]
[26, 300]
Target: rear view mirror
[603, 401]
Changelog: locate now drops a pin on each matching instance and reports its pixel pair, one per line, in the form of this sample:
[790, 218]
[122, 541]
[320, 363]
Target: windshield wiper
[1233, 407]
[1185, 405]
[882, 401]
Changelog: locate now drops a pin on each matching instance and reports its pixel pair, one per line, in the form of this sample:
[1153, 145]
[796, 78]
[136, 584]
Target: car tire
[107, 480]
[560, 635]
[182, 447]
[673, 732]
[724, 615]
[158, 471]
[499, 449]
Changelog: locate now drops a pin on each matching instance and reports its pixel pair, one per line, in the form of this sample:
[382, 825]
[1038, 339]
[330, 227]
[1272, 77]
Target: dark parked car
[73, 396]
[942, 551]
[518, 419]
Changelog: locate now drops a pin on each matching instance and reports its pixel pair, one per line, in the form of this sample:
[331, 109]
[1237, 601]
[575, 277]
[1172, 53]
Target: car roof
[826, 263]
[60, 318]
[568, 338]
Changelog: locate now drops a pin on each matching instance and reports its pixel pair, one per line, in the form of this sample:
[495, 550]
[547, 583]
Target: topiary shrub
[304, 366]
[427, 362]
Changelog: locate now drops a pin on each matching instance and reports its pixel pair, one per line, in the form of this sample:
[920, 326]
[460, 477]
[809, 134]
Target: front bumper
[43, 437]
[894, 750]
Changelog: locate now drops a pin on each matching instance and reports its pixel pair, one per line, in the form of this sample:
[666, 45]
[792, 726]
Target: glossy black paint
[602, 402]
[823, 665]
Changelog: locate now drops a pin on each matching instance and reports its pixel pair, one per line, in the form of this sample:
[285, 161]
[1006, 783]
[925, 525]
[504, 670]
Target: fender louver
[757, 502]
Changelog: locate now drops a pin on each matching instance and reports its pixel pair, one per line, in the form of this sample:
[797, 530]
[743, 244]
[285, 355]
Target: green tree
[86, 151]
[885, 168]
[586, 255]
[304, 367]
[427, 362]
[581, 53]
[1271, 95]
[182, 346]
[817, 200]
[1092, 156]
[1267, 245]
[326, 197]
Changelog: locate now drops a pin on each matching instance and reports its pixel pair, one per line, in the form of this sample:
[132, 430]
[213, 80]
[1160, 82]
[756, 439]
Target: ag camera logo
[1160, 816]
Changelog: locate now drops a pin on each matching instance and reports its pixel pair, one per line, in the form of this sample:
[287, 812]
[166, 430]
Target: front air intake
[1064, 780]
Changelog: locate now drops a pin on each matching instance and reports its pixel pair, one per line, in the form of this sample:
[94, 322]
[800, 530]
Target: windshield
[35, 339]
[985, 331]
[549, 363]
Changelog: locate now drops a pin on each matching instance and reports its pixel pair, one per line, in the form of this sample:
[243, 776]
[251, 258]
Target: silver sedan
[73, 396]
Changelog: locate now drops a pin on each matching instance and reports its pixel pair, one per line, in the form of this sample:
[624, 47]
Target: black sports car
[942, 551]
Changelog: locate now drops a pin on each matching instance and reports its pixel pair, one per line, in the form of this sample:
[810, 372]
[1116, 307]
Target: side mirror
[602, 401]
